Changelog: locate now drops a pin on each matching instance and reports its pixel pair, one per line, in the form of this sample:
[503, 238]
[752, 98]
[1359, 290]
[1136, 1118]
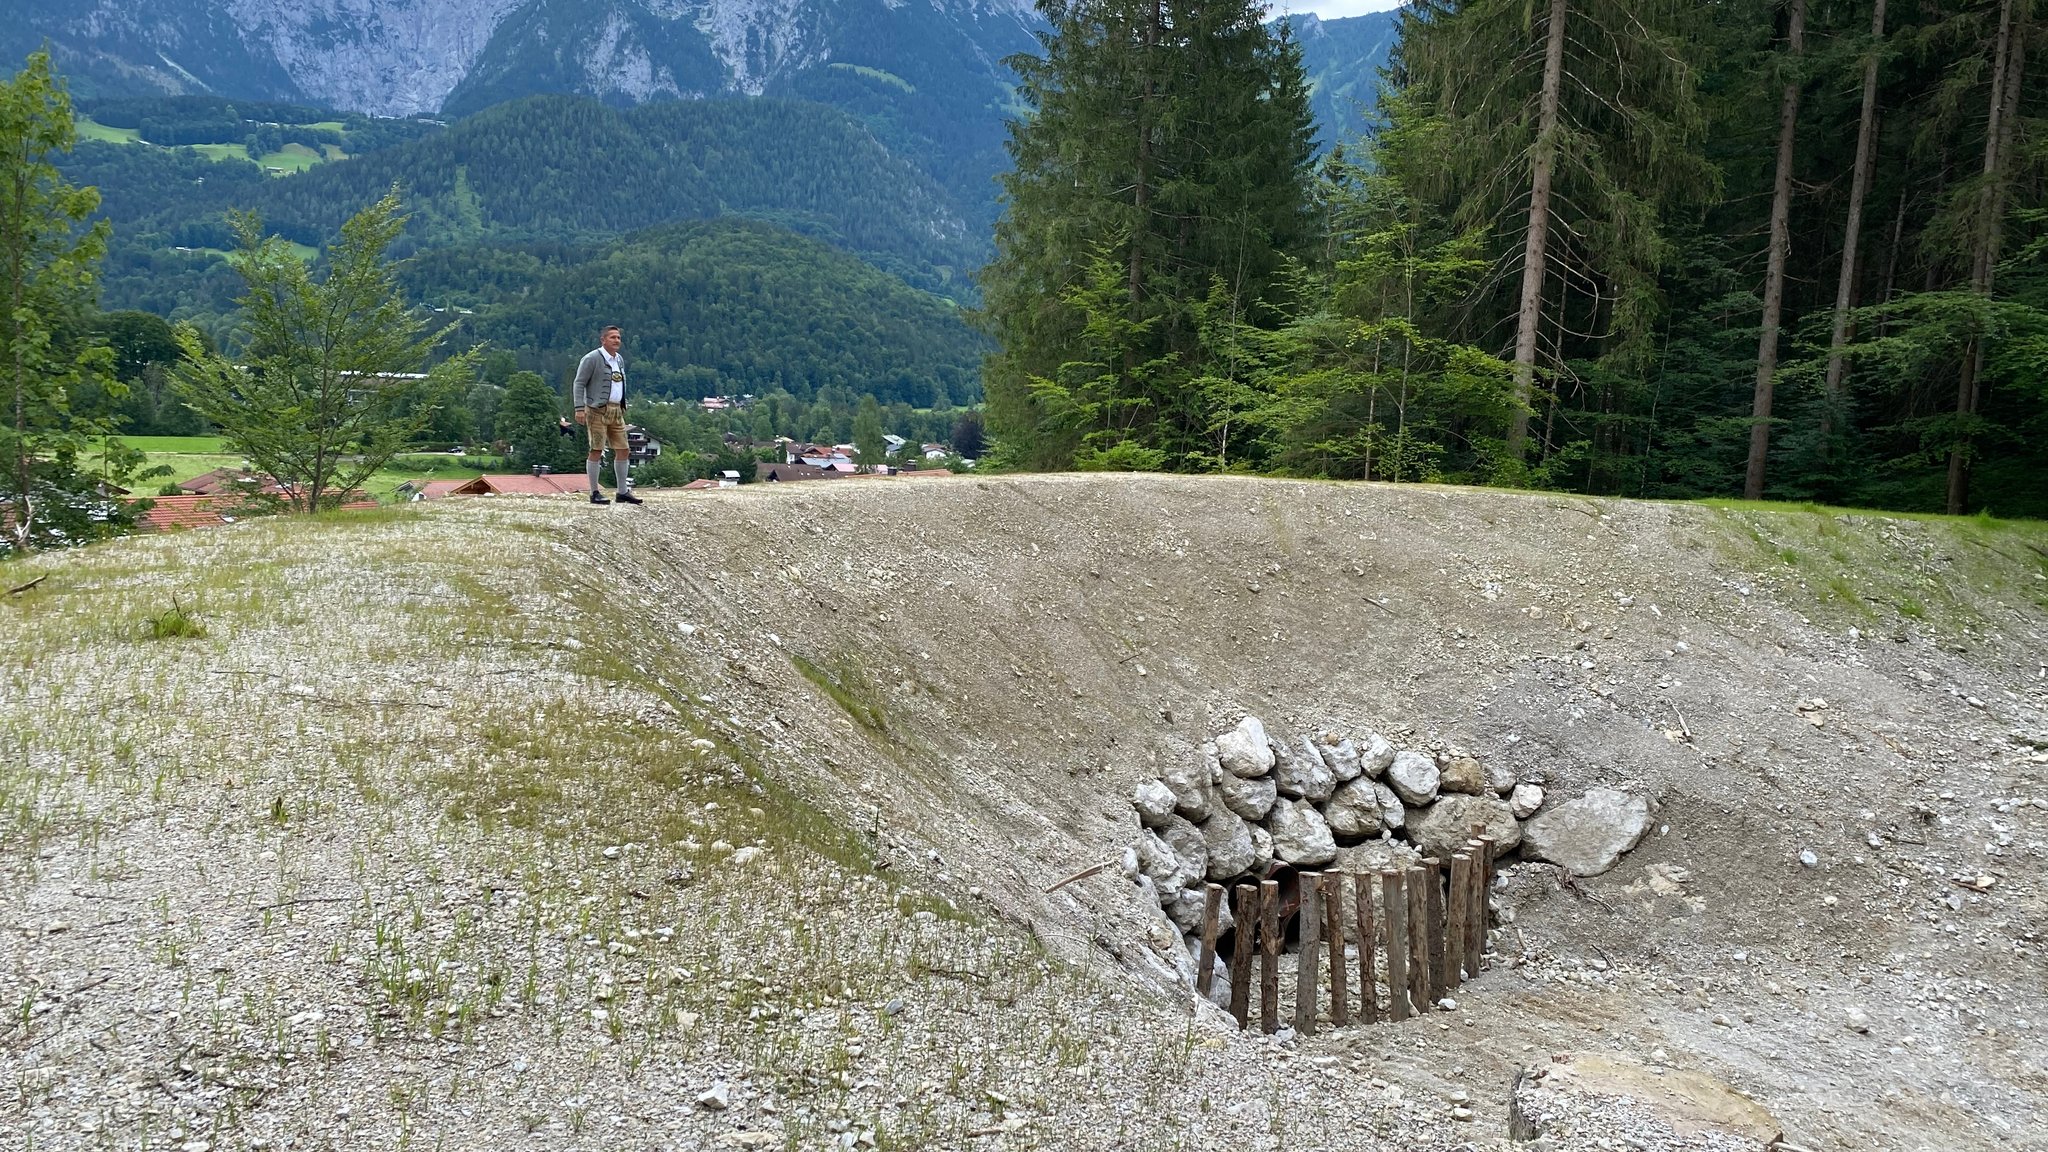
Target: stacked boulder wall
[1251, 801]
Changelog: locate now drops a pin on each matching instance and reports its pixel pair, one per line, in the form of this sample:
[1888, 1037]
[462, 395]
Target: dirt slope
[381, 791]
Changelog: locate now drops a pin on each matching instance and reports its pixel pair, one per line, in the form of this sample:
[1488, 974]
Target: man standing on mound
[600, 399]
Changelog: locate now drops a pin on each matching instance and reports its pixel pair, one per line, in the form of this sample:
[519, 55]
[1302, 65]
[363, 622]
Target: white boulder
[1250, 797]
[1587, 836]
[1229, 842]
[1154, 802]
[1244, 750]
[1300, 835]
[1354, 810]
[1414, 777]
[1303, 775]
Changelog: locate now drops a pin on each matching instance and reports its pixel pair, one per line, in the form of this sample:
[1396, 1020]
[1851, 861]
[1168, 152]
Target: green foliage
[174, 623]
[48, 258]
[328, 384]
[714, 307]
[1159, 196]
[529, 421]
[867, 433]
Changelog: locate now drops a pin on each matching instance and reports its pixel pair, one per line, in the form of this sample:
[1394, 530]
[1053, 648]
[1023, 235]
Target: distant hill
[719, 306]
[571, 169]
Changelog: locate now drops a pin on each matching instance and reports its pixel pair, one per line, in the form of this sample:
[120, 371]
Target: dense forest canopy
[713, 308]
[1650, 248]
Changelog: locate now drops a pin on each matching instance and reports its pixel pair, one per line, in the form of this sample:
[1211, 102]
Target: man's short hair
[608, 329]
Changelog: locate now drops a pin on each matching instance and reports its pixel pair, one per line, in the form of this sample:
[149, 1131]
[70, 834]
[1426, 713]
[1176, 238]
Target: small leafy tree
[330, 384]
[529, 419]
[867, 433]
[48, 262]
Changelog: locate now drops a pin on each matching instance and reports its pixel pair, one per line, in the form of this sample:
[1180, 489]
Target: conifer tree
[1167, 153]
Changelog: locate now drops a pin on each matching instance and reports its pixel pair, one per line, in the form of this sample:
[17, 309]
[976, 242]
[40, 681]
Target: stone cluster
[1350, 803]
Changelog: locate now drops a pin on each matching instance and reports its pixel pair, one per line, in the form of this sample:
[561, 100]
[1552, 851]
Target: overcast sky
[1332, 9]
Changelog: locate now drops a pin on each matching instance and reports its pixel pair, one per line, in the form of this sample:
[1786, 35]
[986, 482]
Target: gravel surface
[726, 821]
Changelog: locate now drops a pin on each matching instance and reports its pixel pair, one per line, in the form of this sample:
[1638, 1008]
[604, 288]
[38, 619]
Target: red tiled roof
[231, 480]
[520, 484]
[699, 485]
[173, 513]
[199, 510]
[435, 489]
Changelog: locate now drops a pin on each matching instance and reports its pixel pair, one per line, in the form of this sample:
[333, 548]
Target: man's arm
[579, 392]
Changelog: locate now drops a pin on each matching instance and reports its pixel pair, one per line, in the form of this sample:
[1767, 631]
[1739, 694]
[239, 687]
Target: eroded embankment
[444, 821]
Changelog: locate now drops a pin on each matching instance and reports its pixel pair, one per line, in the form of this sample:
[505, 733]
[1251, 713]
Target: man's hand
[582, 417]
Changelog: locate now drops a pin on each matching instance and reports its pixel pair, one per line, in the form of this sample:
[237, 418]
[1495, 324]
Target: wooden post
[1475, 923]
[1368, 997]
[1394, 895]
[1212, 906]
[1241, 955]
[1485, 887]
[1333, 929]
[1433, 907]
[1455, 932]
[1269, 956]
[1307, 967]
[1418, 942]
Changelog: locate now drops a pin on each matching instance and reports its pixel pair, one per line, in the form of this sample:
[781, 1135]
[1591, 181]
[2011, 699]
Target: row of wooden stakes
[1434, 928]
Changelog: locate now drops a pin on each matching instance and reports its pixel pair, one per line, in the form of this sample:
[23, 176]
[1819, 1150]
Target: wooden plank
[1418, 942]
[1433, 907]
[1241, 955]
[1212, 908]
[1475, 923]
[1307, 966]
[1368, 997]
[1333, 932]
[1269, 956]
[1455, 931]
[1394, 896]
[1485, 887]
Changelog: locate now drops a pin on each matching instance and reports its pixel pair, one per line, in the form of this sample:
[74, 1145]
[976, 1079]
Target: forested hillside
[567, 168]
[714, 307]
[1663, 249]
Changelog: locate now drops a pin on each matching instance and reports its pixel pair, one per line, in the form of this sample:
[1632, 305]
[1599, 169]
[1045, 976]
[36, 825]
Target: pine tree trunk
[1774, 277]
[1542, 166]
[1852, 230]
[1142, 197]
[2009, 55]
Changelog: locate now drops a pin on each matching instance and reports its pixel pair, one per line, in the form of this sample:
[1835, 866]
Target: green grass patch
[174, 623]
[220, 152]
[207, 445]
[91, 129]
[292, 158]
[840, 689]
[877, 75]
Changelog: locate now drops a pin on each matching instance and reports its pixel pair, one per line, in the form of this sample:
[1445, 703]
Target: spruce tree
[1164, 166]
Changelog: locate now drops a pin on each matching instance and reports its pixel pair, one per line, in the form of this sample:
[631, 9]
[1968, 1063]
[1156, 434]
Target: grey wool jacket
[593, 386]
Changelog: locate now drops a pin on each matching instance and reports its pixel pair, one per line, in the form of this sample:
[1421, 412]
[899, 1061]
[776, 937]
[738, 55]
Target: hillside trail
[914, 706]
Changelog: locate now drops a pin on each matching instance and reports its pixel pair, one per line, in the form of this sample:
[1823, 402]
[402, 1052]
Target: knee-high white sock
[590, 468]
[620, 465]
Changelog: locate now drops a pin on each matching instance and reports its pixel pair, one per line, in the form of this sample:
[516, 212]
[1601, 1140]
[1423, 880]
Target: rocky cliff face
[398, 57]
